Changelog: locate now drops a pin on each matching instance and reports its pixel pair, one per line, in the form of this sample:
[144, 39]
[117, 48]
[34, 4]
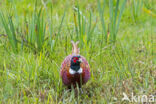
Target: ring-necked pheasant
[75, 68]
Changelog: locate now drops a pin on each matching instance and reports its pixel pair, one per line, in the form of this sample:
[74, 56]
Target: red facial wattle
[75, 59]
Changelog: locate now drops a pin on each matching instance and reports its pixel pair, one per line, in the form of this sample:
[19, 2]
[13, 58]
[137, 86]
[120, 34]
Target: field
[117, 37]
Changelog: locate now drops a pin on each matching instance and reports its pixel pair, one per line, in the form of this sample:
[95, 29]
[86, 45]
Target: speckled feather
[69, 79]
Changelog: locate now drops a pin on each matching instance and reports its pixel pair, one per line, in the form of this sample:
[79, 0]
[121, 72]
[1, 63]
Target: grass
[113, 26]
[35, 39]
[10, 30]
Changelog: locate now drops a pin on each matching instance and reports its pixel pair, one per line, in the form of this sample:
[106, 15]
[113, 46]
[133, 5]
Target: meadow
[117, 37]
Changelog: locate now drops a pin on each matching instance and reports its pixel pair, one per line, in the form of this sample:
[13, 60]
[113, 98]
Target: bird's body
[75, 69]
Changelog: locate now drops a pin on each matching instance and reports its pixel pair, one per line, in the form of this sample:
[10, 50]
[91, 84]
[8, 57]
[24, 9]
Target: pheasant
[75, 69]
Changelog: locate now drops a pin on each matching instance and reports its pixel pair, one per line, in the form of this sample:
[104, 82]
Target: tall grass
[110, 32]
[84, 26]
[10, 31]
[36, 30]
[51, 28]
[136, 9]
[34, 36]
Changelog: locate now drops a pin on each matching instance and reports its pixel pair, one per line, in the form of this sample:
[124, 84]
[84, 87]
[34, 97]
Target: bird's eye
[75, 58]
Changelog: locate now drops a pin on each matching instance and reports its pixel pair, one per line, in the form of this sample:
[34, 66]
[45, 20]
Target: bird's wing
[65, 65]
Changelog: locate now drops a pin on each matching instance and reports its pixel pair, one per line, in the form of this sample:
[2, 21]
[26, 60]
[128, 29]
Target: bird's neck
[75, 67]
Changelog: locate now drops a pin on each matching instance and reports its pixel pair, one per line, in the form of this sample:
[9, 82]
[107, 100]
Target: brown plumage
[75, 68]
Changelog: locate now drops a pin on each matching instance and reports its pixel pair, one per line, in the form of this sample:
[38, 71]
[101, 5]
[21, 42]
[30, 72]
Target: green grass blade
[59, 30]
[79, 20]
[111, 21]
[9, 28]
[121, 12]
[13, 34]
[89, 28]
[116, 12]
[102, 19]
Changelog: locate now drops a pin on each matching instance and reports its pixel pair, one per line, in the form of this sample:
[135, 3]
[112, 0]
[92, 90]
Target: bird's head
[75, 63]
[76, 60]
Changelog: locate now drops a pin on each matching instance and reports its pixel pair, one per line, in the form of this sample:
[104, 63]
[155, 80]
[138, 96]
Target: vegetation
[117, 37]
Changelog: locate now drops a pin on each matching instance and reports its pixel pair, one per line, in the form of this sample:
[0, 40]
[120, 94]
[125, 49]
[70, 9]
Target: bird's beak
[80, 60]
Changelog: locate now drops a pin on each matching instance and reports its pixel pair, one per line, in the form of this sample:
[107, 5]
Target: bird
[75, 70]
